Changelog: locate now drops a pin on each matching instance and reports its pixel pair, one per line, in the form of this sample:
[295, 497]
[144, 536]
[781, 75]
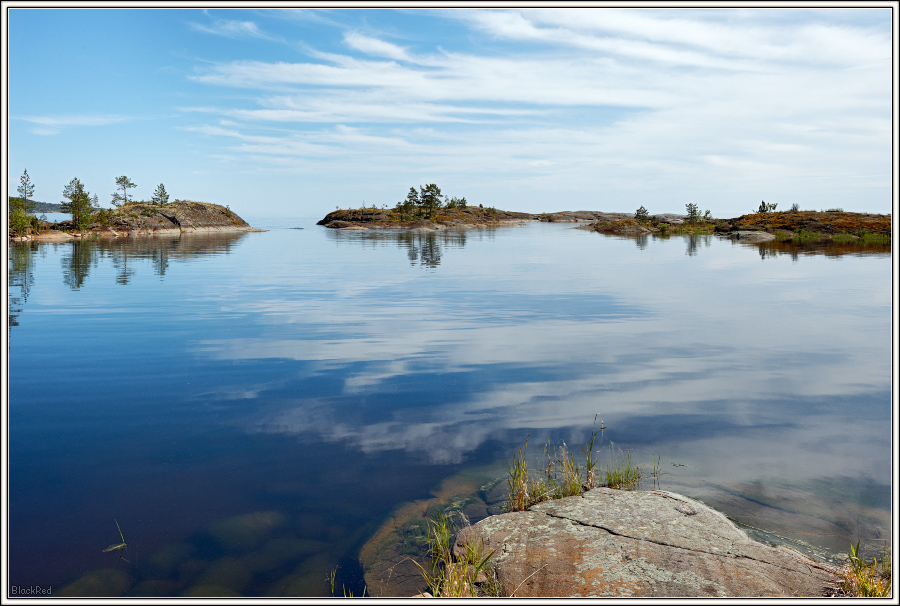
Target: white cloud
[374, 46]
[84, 120]
[231, 29]
[453, 79]
[55, 124]
[625, 100]
[689, 37]
[338, 108]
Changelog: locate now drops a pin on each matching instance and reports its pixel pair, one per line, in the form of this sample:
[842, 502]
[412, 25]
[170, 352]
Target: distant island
[829, 224]
[144, 218]
[35, 206]
[766, 223]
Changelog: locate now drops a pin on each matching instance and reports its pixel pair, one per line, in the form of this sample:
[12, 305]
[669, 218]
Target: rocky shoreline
[650, 544]
[141, 219]
[755, 227]
[603, 542]
[466, 218]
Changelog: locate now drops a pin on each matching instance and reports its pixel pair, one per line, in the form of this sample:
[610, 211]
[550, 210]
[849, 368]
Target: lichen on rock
[611, 543]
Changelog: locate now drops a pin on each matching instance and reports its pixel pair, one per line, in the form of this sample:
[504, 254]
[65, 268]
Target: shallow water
[250, 407]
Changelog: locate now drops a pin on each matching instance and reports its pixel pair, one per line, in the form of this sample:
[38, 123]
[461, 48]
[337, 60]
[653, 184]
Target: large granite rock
[642, 544]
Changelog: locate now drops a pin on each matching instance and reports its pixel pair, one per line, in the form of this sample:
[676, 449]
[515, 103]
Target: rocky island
[428, 209]
[444, 218]
[835, 225]
[146, 219]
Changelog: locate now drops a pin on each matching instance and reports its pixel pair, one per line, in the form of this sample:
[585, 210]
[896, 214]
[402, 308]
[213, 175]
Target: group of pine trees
[692, 216]
[78, 202]
[427, 201]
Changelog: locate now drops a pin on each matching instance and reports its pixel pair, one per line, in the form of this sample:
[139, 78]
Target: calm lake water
[249, 408]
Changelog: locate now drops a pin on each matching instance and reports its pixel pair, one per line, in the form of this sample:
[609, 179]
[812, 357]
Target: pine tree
[457, 203]
[693, 213]
[126, 184]
[79, 203]
[26, 191]
[18, 220]
[410, 204]
[430, 199]
[160, 197]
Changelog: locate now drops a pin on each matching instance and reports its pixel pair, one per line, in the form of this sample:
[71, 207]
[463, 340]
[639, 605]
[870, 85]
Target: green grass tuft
[864, 580]
[621, 474]
[564, 477]
[469, 575]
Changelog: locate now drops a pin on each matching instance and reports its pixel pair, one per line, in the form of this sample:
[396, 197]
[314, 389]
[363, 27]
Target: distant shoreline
[835, 225]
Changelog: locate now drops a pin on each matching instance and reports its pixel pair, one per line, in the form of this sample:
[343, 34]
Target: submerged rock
[280, 552]
[245, 532]
[210, 591]
[309, 578]
[106, 582]
[152, 588]
[164, 562]
[226, 572]
[640, 544]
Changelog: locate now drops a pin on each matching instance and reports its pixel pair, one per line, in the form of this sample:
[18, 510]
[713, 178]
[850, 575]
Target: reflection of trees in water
[126, 259]
[691, 245]
[774, 248]
[424, 248]
[77, 264]
[694, 241]
[125, 254]
[20, 278]
[120, 262]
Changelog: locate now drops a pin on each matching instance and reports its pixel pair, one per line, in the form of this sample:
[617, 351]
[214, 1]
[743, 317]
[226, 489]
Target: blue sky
[292, 112]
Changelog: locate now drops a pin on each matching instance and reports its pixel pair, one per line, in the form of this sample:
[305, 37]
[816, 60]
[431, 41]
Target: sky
[292, 112]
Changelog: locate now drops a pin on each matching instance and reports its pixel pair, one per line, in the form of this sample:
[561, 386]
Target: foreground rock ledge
[640, 544]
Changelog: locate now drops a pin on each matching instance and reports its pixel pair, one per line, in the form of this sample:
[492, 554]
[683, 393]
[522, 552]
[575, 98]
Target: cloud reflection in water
[754, 355]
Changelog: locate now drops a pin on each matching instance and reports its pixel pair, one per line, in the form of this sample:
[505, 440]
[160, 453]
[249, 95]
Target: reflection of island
[423, 248]
[125, 254]
[20, 278]
[769, 248]
[641, 240]
[773, 248]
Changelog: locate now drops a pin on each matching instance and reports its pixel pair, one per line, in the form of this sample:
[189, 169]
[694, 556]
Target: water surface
[250, 407]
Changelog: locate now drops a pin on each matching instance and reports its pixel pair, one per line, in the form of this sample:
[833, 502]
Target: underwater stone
[107, 582]
[281, 552]
[227, 572]
[210, 591]
[164, 561]
[245, 532]
[154, 588]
